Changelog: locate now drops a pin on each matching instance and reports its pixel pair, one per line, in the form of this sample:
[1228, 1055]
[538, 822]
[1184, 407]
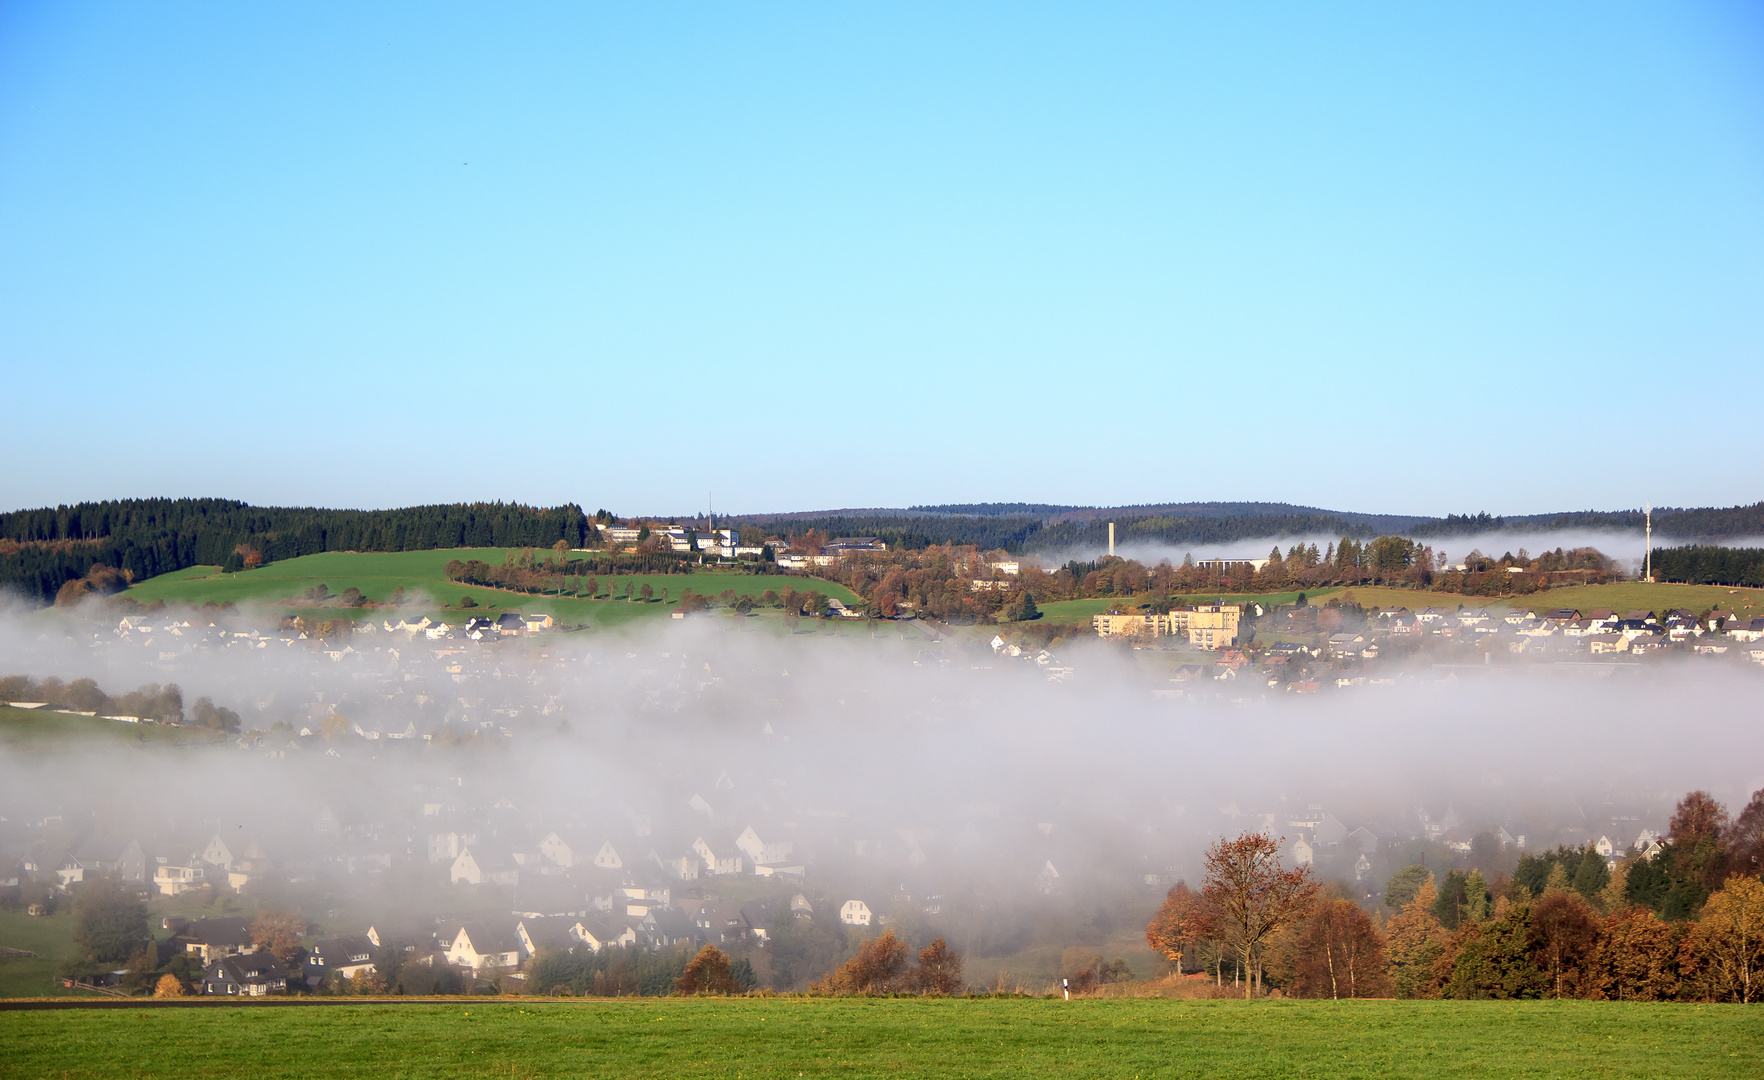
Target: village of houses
[1313, 648]
[495, 870]
[520, 889]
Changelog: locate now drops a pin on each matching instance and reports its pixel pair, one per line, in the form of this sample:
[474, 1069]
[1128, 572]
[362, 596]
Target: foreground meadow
[893, 1038]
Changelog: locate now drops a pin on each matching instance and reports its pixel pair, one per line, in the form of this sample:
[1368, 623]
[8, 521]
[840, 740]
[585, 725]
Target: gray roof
[230, 933]
[489, 937]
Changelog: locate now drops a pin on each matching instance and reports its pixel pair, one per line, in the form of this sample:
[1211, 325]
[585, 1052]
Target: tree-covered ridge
[41, 550]
[1020, 527]
[1195, 530]
[1708, 565]
[902, 533]
[1678, 523]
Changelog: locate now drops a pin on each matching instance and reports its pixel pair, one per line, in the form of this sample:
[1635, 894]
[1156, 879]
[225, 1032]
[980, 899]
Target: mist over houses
[479, 795]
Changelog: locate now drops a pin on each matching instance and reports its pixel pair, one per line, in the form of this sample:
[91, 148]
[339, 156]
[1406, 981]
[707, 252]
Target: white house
[760, 852]
[715, 863]
[854, 913]
[479, 945]
[471, 869]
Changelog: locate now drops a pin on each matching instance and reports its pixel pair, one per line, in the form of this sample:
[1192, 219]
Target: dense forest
[1706, 565]
[1705, 523]
[900, 532]
[1028, 527]
[42, 550]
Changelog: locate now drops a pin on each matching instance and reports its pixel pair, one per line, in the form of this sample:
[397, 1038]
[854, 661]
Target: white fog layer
[889, 769]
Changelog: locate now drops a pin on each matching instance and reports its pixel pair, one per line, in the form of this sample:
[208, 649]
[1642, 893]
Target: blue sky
[1403, 259]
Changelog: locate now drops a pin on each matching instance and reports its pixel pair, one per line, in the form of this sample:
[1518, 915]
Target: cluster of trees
[630, 972]
[1708, 565]
[1685, 922]
[1560, 944]
[559, 575]
[42, 550]
[884, 965]
[149, 702]
[1248, 899]
[939, 580]
[795, 603]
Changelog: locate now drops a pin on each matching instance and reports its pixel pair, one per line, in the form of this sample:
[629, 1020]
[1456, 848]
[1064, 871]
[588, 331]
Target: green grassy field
[42, 729]
[423, 576]
[51, 938]
[894, 1038]
[1619, 596]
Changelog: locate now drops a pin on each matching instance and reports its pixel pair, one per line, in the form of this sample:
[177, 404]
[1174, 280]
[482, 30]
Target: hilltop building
[1207, 626]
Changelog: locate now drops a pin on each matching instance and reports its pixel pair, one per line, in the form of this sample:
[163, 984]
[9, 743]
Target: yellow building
[1208, 626]
[1142, 625]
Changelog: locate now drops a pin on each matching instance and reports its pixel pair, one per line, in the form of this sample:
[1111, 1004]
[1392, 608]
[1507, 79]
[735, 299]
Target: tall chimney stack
[1111, 539]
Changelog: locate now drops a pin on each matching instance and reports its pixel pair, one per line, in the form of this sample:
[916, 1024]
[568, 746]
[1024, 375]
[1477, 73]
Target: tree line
[940, 581]
[42, 550]
[150, 701]
[1697, 564]
[560, 575]
[1684, 922]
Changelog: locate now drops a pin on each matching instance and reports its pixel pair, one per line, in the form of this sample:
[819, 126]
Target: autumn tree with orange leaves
[1184, 920]
[277, 932]
[1253, 897]
[1340, 954]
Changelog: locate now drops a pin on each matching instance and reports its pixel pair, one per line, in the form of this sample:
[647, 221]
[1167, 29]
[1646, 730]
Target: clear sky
[1400, 258]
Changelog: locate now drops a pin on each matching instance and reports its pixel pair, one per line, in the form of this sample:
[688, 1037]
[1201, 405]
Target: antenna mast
[1648, 557]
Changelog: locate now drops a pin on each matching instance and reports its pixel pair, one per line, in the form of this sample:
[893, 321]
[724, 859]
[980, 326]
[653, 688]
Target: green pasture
[43, 729]
[1629, 595]
[51, 937]
[1618, 596]
[894, 1038]
[281, 586]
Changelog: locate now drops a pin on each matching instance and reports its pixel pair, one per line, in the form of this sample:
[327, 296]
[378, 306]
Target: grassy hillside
[895, 1039]
[1619, 596]
[42, 729]
[52, 939]
[422, 575]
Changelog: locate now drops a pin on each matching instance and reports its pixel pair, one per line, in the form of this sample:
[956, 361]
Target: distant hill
[1051, 526]
[43, 549]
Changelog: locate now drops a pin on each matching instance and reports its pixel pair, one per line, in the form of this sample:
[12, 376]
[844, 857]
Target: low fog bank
[1626, 547]
[934, 780]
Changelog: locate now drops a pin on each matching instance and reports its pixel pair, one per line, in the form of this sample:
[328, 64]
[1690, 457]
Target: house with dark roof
[246, 975]
[341, 957]
[212, 939]
[845, 545]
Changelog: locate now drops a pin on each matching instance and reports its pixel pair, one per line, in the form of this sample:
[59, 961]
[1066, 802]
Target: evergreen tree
[1557, 884]
[1448, 908]
[1477, 901]
[1415, 941]
[1591, 876]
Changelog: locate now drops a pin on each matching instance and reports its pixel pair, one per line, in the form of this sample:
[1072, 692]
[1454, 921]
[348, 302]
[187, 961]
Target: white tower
[1648, 556]
[1111, 539]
